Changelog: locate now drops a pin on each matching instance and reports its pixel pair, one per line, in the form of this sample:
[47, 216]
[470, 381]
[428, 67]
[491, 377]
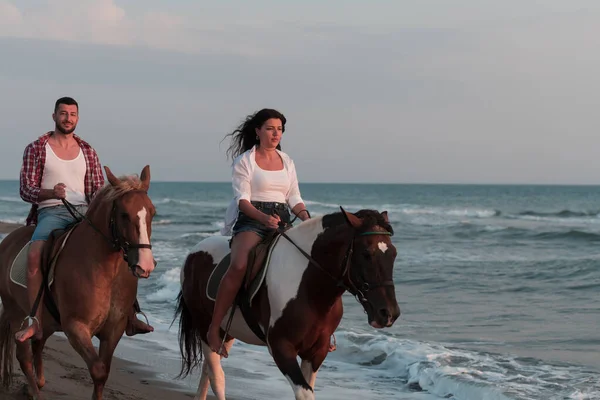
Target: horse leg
[25, 358]
[202, 391]
[107, 349]
[215, 372]
[23, 349]
[311, 366]
[80, 339]
[38, 348]
[284, 356]
[309, 373]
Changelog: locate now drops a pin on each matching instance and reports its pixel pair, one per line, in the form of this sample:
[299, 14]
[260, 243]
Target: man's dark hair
[66, 100]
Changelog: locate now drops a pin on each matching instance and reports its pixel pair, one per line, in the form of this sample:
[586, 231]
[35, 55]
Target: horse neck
[99, 215]
[313, 239]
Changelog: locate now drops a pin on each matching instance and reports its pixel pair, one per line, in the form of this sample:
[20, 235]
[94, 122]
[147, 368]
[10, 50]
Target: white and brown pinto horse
[299, 306]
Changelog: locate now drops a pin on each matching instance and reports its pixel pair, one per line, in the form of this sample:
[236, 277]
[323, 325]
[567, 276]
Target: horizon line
[387, 183]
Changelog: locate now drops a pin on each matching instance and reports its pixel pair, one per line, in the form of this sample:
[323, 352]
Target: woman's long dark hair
[244, 137]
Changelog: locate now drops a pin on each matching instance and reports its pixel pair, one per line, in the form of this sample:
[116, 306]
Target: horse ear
[352, 219]
[145, 177]
[111, 178]
[385, 217]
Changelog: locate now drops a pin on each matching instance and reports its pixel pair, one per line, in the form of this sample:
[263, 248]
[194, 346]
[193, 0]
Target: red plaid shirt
[32, 170]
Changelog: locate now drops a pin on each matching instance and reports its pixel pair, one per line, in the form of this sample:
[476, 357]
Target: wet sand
[67, 377]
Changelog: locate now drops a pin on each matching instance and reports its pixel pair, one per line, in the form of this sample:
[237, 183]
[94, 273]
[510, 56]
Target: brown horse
[94, 287]
[299, 306]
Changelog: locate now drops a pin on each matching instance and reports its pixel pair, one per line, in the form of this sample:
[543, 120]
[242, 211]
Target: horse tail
[189, 338]
[7, 348]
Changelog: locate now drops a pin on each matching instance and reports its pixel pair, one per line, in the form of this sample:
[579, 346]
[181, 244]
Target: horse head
[368, 266]
[130, 222]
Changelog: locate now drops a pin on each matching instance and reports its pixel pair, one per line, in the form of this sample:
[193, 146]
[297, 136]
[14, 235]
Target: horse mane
[370, 218]
[109, 193]
[373, 218]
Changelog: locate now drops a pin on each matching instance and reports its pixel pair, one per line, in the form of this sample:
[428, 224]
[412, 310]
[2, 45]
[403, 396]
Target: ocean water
[499, 288]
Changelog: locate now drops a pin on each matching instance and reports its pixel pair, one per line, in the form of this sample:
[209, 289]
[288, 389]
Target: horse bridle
[359, 293]
[117, 242]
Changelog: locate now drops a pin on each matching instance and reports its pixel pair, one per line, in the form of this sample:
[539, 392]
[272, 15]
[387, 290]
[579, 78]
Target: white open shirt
[243, 171]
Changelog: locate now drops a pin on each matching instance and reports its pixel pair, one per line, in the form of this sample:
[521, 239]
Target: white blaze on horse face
[288, 265]
[382, 246]
[146, 259]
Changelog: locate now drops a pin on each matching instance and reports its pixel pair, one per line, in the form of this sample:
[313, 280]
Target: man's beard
[65, 131]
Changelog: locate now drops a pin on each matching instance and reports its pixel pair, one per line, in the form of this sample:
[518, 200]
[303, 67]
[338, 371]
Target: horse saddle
[258, 264]
[52, 248]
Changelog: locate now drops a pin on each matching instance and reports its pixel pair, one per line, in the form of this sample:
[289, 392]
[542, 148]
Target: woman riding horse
[264, 185]
[299, 304]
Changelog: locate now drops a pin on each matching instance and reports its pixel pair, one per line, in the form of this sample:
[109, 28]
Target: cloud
[10, 18]
[106, 23]
[273, 30]
[501, 101]
[88, 21]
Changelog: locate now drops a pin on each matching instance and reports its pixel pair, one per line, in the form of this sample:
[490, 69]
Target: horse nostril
[384, 313]
[155, 263]
[140, 273]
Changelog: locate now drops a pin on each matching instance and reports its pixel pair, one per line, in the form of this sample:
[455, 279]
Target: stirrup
[334, 342]
[29, 318]
[141, 312]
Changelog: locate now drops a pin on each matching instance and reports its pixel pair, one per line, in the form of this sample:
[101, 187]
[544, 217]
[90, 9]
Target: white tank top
[70, 172]
[271, 186]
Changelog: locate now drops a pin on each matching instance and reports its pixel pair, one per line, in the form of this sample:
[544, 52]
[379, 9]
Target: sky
[422, 91]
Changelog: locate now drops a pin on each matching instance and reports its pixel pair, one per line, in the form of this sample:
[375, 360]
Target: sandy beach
[7, 227]
[67, 376]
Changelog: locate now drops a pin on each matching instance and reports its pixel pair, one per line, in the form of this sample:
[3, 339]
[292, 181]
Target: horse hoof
[41, 382]
[27, 392]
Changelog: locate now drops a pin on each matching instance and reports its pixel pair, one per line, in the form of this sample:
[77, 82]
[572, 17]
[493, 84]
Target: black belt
[266, 204]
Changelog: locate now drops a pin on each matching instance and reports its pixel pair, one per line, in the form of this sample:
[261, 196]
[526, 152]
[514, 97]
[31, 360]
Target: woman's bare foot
[214, 342]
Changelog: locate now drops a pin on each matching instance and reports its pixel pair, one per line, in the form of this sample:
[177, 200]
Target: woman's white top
[252, 183]
[70, 172]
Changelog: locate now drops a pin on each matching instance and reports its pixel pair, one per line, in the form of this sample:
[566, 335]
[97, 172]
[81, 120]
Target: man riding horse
[59, 165]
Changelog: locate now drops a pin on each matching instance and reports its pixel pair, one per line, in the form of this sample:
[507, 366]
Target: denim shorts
[51, 218]
[246, 224]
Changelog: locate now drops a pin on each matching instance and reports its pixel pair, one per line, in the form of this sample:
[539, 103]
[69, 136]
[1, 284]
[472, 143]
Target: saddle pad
[18, 270]
[215, 277]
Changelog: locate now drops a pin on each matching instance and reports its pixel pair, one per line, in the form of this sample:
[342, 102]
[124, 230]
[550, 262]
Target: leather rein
[117, 242]
[359, 293]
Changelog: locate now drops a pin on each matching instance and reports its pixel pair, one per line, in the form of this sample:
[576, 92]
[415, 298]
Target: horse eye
[124, 215]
